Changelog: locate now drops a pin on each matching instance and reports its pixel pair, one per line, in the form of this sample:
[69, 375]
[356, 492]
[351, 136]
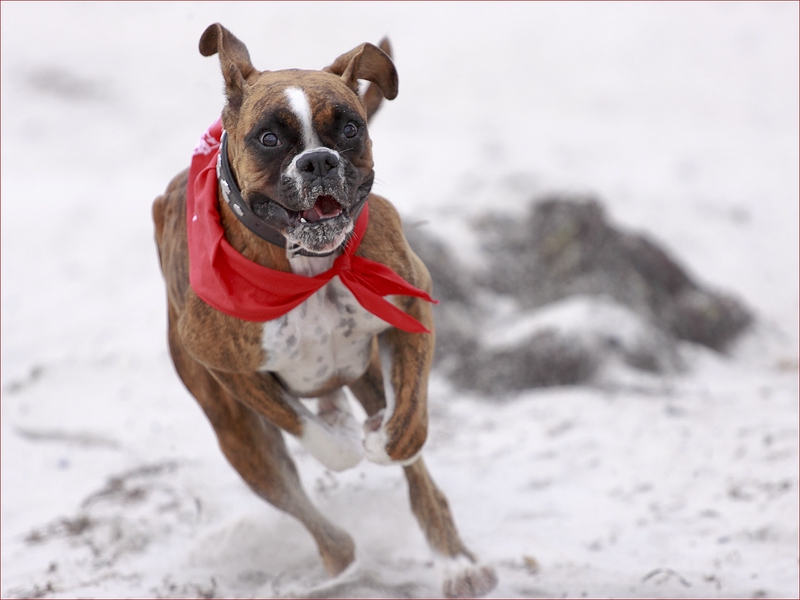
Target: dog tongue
[326, 207]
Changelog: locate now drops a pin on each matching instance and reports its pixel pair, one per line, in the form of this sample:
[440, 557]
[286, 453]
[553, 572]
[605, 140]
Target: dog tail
[373, 97]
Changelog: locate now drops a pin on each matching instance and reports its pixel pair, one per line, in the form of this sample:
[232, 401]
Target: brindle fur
[218, 356]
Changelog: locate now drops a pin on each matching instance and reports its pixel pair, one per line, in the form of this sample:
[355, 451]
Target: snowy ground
[681, 117]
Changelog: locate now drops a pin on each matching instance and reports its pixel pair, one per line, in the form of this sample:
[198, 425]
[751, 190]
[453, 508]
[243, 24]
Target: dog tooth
[303, 220]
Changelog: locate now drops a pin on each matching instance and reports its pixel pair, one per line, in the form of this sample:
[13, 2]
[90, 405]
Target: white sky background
[681, 117]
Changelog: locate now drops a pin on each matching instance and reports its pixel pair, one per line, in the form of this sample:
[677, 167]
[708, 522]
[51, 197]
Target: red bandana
[232, 284]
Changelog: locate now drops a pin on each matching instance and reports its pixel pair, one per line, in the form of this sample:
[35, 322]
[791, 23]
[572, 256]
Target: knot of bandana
[232, 284]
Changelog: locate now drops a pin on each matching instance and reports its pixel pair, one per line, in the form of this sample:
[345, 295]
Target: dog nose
[317, 164]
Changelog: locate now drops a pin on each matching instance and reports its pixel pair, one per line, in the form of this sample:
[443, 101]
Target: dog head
[298, 143]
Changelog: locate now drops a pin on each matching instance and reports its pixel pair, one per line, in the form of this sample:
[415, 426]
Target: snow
[576, 315]
[681, 117]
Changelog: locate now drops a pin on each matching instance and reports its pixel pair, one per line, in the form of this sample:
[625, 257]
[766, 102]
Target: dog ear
[373, 97]
[233, 57]
[373, 64]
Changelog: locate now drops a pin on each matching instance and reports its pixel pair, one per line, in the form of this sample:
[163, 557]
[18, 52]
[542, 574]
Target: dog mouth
[320, 229]
[326, 207]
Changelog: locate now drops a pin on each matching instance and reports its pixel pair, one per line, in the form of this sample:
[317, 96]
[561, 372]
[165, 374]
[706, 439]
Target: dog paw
[336, 448]
[464, 579]
[339, 417]
[375, 440]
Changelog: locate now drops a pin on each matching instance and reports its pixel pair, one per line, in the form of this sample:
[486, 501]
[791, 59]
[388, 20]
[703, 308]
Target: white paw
[333, 437]
[336, 449]
[375, 446]
[461, 578]
[375, 440]
[337, 414]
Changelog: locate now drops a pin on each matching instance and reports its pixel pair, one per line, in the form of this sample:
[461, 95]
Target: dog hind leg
[464, 577]
[428, 503]
[256, 449]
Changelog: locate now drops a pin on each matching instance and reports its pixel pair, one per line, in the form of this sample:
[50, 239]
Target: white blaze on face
[299, 105]
[298, 102]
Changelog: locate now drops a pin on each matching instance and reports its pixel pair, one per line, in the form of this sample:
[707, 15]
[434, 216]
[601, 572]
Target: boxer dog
[287, 280]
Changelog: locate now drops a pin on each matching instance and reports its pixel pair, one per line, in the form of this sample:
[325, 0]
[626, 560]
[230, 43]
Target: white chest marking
[328, 335]
[311, 265]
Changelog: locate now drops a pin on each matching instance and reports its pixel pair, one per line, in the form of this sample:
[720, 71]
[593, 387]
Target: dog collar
[264, 226]
[233, 197]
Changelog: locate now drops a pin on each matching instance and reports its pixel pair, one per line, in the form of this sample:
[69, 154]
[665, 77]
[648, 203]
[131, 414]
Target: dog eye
[269, 139]
[350, 130]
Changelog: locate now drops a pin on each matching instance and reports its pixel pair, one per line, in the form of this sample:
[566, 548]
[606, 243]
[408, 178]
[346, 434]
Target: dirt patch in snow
[634, 301]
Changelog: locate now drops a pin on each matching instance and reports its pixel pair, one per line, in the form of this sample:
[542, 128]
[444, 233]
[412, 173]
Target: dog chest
[327, 336]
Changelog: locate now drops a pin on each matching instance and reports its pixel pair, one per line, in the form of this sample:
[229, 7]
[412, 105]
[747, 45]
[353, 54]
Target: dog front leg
[396, 434]
[336, 446]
